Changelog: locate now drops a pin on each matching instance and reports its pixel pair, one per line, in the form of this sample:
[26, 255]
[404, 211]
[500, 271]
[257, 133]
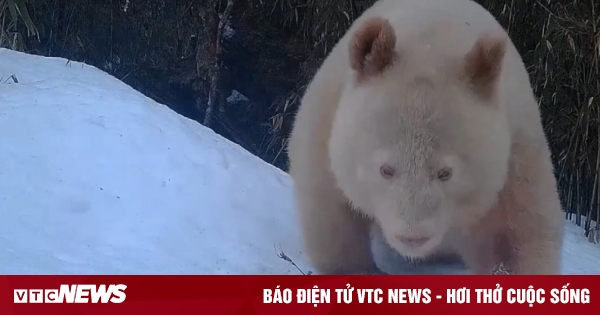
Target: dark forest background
[240, 66]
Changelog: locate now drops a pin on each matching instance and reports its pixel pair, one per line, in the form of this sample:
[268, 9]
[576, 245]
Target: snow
[236, 97]
[96, 178]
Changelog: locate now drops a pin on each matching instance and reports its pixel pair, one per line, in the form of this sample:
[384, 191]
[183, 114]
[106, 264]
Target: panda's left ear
[483, 63]
[371, 48]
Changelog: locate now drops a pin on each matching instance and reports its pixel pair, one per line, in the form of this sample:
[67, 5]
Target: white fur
[419, 117]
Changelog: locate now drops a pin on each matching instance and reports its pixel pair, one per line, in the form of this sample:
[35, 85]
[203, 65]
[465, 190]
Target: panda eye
[444, 174]
[387, 171]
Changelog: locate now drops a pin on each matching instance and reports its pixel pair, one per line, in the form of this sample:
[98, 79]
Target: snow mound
[96, 178]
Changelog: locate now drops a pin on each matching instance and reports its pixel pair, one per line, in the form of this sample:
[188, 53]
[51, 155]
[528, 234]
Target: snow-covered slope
[95, 178]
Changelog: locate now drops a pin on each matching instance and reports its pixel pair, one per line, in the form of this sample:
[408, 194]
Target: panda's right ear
[371, 49]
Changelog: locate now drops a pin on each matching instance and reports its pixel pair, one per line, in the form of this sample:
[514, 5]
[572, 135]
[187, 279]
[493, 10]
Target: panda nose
[413, 241]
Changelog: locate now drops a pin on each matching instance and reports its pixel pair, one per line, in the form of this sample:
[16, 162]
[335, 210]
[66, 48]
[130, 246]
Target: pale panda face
[419, 156]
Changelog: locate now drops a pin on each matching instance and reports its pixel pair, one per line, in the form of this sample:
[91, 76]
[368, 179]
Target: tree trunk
[213, 94]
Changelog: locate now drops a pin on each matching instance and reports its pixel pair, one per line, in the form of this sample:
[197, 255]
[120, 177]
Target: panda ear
[372, 48]
[483, 63]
